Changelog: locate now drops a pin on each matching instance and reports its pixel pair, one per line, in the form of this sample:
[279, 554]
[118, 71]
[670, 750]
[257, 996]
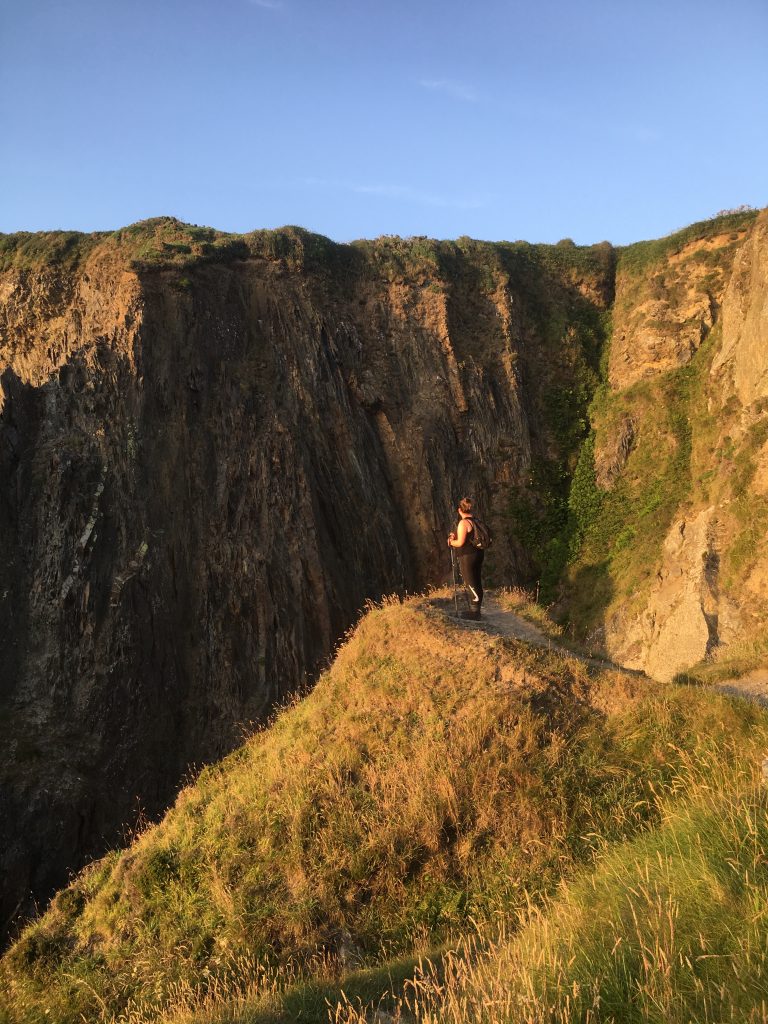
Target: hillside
[215, 448]
[437, 782]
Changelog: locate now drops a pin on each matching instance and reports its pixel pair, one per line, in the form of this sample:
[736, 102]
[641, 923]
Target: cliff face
[675, 546]
[209, 461]
[666, 306]
[214, 450]
[743, 355]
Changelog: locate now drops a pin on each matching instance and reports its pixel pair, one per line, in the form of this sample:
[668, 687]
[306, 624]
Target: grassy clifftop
[436, 781]
[667, 928]
[166, 242]
[640, 257]
[160, 243]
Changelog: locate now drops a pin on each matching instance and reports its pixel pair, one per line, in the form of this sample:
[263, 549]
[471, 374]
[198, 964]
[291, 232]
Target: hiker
[470, 557]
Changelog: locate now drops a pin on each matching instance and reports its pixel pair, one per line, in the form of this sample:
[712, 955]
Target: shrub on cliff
[638, 257]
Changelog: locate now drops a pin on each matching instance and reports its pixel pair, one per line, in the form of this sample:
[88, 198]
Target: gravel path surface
[498, 620]
[753, 686]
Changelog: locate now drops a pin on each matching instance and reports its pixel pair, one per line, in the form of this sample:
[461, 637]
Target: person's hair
[465, 505]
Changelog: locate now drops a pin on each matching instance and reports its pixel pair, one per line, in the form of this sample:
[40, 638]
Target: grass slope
[669, 928]
[437, 781]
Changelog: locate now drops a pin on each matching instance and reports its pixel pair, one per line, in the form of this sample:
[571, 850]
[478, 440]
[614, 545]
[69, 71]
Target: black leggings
[471, 563]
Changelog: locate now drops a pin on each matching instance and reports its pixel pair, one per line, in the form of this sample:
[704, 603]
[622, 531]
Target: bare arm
[456, 540]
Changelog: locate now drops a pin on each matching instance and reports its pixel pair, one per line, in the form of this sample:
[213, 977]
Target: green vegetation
[166, 243]
[437, 780]
[639, 257]
[750, 509]
[407, 258]
[585, 500]
[549, 515]
[571, 332]
[397, 258]
[616, 535]
[26, 250]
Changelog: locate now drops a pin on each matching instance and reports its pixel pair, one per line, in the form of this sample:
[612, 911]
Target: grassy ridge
[165, 243]
[25, 250]
[435, 780]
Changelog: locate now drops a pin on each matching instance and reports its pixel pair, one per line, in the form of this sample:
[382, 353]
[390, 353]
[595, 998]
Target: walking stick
[453, 573]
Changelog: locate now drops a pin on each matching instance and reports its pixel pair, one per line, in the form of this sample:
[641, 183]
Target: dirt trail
[498, 620]
[752, 686]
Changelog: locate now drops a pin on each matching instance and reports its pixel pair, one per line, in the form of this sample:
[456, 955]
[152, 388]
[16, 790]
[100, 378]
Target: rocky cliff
[672, 545]
[213, 451]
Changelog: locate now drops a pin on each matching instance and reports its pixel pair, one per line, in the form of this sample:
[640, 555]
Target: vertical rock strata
[743, 357]
[205, 471]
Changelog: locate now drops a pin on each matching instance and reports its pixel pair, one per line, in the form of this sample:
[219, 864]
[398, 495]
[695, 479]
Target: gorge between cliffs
[215, 449]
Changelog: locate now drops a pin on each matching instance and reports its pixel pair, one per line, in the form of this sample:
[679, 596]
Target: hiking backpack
[480, 537]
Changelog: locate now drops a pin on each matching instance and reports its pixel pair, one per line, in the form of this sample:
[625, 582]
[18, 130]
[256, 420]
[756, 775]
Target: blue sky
[491, 118]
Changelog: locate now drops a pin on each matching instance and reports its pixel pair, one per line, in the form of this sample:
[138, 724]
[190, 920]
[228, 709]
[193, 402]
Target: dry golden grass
[437, 781]
[669, 927]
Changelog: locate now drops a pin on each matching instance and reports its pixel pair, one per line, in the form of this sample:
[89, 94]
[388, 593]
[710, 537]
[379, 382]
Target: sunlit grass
[669, 927]
[439, 782]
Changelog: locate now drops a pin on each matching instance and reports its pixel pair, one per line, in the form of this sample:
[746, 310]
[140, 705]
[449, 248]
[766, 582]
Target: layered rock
[665, 308]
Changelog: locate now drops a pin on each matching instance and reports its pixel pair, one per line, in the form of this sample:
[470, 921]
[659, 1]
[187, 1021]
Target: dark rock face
[202, 480]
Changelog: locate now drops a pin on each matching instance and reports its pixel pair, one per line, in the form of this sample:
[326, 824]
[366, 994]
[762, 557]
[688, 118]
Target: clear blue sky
[499, 119]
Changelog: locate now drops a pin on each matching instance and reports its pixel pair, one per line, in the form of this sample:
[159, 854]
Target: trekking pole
[453, 574]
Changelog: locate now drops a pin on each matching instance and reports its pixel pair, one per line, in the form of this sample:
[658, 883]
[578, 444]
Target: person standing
[464, 542]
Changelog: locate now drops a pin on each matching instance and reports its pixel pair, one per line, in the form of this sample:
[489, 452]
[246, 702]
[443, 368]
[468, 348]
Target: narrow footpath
[752, 686]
